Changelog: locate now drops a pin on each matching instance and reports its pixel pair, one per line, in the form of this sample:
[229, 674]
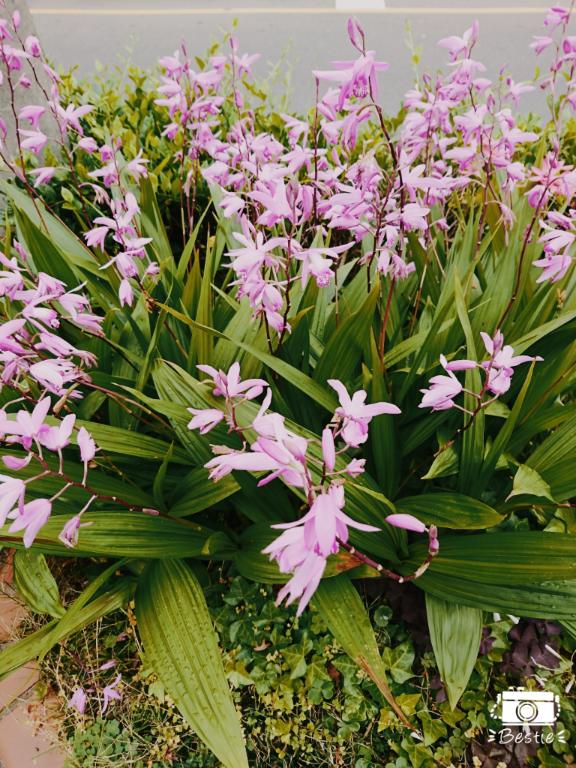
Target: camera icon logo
[521, 707]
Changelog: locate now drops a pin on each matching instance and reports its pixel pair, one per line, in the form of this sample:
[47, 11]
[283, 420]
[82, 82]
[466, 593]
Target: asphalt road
[301, 35]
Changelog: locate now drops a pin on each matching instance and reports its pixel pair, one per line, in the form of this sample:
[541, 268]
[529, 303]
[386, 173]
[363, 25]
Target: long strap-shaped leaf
[40, 642]
[129, 534]
[456, 632]
[344, 612]
[182, 647]
[35, 583]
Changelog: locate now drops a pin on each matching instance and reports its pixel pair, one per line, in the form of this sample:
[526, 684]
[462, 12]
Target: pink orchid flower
[87, 449]
[30, 519]
[443, 389]
[230, 385]
[12, 492]
[27, 427]
[110, 693]
[204, 419]
[78, 700]
[326, 523]
[356, 414]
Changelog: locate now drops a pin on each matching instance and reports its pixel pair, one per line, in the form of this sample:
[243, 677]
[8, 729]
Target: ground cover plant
[304, 701]
[308, 351]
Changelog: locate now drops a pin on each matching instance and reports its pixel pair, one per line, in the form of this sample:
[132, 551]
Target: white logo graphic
[526, 709]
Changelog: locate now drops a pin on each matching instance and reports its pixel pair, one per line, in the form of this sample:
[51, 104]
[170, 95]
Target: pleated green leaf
[35, 583]
[455, 632]
[450, 510]
[292, 375]
[544, 600]
[182, 647]
[344, 348]
[472, 451]
[513, 558]
[196, 493]
[339, 604]
[129, 534]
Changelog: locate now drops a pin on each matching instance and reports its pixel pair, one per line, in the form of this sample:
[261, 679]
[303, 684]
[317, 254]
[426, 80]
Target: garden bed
[288, 421]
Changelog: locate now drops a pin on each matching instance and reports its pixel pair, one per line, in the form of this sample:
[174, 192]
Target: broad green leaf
[129, 534]
[570, 627]
[446, 463]
[558, 447]
[472, 452]
[449, 510]
[129, 443]
[250, 561]
[541, 331]
[160, 479]
[542, 600]
[174, 400]
[196, 493]
[189, 248]
[201, 349]
[304, 383]
[502, 438]
[35, 583]
[100, 482]
[383, 433]
[527, 482]
[44, 253]
[153, 225]
[514, 558]
[61, 236]
[341, 608]
[182, 648]
[455, 632]
[344, 348]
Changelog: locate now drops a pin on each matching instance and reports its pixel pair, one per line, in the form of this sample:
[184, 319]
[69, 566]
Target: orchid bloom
[230, 385]
[356, 415]
[78, 700]
[109, 693]
[500, 366]
[12, 492]
[30, 519]
[87, 449]
[304, 545]
[28, 427]
[443, 389]
[498, 370]
[326, 524]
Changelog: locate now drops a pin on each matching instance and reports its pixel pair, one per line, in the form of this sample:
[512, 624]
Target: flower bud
[408, 522]
[356, 34]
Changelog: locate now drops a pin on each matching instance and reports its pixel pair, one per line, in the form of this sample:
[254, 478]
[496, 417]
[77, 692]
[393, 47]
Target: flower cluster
[36, 436]
[305, 544]
[304, 205]
[459, 130]
[497, 371]
[24, 66]
[131, 260]
[558, 238]
[114, 171]
[34, 309]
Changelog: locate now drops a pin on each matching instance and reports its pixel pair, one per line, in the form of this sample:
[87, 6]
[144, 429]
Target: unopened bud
[292, 193]
[356, 35]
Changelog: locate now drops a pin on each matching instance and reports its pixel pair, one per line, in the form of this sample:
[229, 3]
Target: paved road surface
[307, 34]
